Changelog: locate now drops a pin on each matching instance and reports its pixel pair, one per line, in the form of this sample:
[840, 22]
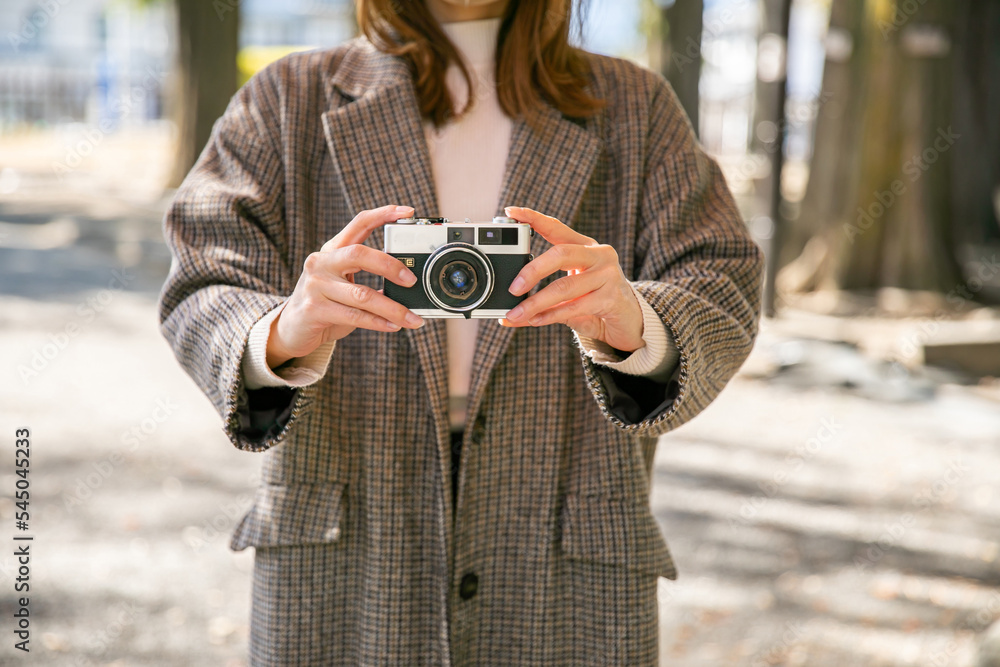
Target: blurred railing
[45, 95]
[37, 94]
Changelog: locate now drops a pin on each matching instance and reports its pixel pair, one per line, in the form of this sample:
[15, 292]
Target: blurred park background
[839, 505]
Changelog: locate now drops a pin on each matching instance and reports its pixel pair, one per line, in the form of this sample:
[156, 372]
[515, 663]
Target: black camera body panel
[505, 268]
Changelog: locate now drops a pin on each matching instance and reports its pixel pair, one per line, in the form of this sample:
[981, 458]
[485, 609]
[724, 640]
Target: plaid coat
[550, 554]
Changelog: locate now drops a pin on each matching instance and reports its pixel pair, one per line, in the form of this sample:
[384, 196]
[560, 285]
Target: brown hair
[535, 61]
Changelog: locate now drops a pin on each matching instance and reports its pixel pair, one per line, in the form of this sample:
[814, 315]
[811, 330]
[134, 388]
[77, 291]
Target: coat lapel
[379, 151]
[377, 140]
[549, 166]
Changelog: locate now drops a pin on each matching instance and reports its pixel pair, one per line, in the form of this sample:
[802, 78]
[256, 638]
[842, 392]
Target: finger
[557, 258]
[559, 291]
[551, 230]
[587, 305]
[364, 223]
[366, 299]
[349, 260]
[338, 314]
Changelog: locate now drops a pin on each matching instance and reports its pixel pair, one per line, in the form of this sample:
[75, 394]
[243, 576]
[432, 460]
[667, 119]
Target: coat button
[469, 586]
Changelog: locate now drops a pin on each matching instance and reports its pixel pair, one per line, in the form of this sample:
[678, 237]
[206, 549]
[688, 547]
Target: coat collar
[375, 135]
[363, 68]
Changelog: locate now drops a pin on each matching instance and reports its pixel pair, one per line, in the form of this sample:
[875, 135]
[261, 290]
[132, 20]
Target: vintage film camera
[463, 269]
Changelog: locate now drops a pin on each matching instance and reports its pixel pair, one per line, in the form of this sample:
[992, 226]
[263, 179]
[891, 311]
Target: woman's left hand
[594, 299]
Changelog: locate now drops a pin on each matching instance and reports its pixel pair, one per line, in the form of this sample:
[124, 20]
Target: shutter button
[469, 586]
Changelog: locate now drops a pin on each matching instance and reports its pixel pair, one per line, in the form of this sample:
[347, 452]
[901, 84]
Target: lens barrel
[458, 278]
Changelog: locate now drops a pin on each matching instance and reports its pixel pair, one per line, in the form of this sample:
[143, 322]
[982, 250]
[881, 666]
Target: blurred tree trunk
[679, 55]
[833, 183]
[771, 127]
[770, 75]
[976, 178]
[879, 196]
[206, 78]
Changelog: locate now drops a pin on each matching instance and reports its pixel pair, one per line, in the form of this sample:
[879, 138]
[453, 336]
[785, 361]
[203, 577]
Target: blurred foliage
[252, 59]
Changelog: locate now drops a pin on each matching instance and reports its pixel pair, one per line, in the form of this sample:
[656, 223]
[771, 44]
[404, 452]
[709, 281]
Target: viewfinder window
[490, 236]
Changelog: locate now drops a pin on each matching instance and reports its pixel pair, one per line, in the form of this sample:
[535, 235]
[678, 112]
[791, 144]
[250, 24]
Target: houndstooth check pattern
[360, 552]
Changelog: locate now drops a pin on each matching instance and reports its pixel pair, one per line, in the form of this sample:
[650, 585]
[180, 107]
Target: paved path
[812, 524]
[814, 527]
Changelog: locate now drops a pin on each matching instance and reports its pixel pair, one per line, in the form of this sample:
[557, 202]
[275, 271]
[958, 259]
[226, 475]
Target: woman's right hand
[327, 304]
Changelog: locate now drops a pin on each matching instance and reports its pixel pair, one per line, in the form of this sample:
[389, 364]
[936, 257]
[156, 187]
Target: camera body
[463, 269]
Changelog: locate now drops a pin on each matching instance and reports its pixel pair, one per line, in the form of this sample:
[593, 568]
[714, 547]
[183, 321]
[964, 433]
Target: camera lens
[458, 279]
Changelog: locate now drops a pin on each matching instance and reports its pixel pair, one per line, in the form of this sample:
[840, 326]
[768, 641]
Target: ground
[828, 510]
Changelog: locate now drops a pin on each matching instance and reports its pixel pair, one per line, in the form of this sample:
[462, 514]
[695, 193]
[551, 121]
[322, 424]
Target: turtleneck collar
[475, 40]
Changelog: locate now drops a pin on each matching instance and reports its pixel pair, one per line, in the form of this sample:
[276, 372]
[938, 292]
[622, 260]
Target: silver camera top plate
[414, 236]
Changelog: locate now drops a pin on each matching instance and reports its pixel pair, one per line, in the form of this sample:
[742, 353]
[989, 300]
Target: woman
[468, 494]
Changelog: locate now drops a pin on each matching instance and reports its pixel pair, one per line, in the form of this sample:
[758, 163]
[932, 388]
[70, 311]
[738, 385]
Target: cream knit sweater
[468, 158]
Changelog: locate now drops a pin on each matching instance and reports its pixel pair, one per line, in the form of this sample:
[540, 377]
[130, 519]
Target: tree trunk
[836, 148]
[976, 176]
[770, 79]
[206, 78]
[771, 128]
[880, 188]
[680, 27]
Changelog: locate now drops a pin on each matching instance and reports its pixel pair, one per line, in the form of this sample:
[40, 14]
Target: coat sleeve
[227, 235]
[697, 266]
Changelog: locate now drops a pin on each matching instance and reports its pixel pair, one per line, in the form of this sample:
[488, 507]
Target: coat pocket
[290, 515]
[615, 532]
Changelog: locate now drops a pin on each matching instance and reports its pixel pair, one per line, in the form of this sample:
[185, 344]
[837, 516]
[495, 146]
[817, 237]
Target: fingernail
[517, 286]
[515, 314]
[394, 327]
[535, 321]
[509, 209]
[413, 321]
[404, 209]
[407, 277]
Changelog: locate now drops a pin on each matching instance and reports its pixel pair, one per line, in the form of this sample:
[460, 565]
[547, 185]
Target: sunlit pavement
[812, 523]
[814, 527]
